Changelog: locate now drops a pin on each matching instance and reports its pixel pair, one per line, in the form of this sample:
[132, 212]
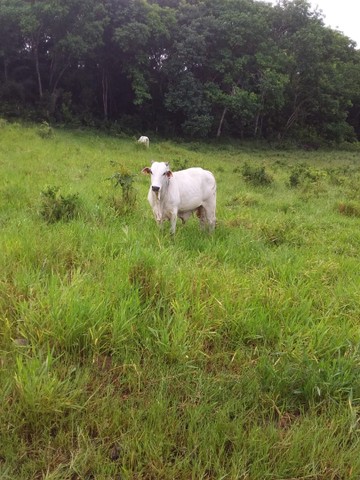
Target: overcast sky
[343, 15]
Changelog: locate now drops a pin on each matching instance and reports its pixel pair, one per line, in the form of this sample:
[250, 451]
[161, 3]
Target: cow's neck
[163, 194]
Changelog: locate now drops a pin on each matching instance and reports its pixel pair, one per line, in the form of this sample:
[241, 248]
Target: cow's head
[160, 175]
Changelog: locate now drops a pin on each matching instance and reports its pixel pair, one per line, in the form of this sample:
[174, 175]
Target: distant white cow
[179, 194]
[144, 141]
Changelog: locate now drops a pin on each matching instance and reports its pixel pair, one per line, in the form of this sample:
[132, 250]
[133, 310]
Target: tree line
[203, 68]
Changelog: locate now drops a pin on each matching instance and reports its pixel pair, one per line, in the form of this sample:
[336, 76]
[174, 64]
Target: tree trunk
[221, 122]
[256, 129]
[53, 100]
[37, 67]
[6, 72]
[291, 120]
[105, 94]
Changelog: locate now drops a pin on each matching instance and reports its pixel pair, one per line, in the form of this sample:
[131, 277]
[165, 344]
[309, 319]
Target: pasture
[128, 354]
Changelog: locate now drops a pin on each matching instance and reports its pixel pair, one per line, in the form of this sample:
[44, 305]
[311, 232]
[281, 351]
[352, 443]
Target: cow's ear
[169, 173]
[146, 171]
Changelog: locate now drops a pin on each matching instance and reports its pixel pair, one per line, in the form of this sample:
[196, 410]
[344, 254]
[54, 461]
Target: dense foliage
[242, 68]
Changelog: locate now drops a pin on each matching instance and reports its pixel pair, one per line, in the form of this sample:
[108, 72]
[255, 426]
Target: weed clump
[143, 276]
[56, 207]
[349, 209]
[276, 234]
[125, 180]
[257, 176]
[303, 174]
[245, 199]
[45, 130]
[40, 395]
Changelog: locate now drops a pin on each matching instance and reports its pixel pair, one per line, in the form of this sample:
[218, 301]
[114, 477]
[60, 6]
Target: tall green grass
[126, 353]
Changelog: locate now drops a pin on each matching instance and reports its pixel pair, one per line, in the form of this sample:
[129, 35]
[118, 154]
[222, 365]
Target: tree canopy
[202, 68]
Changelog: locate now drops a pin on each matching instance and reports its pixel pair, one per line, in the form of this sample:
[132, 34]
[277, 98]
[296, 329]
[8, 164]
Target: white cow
[144, 141]
[179, 194]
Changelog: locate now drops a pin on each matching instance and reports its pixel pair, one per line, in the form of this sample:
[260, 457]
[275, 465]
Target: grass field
[128, 354]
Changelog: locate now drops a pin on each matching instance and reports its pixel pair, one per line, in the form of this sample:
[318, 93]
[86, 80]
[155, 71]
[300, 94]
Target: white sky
[342, 15]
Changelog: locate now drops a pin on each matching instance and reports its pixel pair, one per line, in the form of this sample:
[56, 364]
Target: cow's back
[195, 176]
[195, 185]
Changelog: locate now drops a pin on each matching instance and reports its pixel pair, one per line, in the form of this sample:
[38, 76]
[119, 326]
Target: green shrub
[56, 207]
[276, 233]
[340, 175]
[303, 173]
[257, 176]
[125, 180]
[45, 130]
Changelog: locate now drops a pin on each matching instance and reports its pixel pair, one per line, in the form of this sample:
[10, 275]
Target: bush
[56, 207]
[307, 138]
[45, 130]
[256, 175]
[277, 233]
[125, 180]
[338, 132]
[302, 173]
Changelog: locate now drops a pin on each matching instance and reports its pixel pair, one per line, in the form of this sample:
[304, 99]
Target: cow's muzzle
[155, 189]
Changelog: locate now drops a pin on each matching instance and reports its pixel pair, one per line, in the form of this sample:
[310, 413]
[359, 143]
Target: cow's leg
[201, 214]
[211, 220]
[173, 218]
[209, 213]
